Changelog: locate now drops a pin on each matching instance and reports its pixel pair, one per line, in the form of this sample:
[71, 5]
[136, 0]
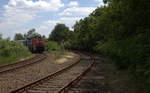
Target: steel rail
[35, 61]
[76, 80]
[28, 86]
[17, 62]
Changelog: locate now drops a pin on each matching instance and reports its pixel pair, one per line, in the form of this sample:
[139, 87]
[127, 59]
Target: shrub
[130, 54]
[11, 51]
[52, 46]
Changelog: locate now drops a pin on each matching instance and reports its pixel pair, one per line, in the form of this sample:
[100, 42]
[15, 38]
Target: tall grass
[11, 51]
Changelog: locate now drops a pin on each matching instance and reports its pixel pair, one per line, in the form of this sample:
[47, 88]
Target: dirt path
[104, 78]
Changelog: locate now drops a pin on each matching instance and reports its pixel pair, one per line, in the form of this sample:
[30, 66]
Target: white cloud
[18, 13]
[43, 27]
[73, 3]
[66, 20]
[69, 20]
[100, 2]
[47, 26]
[77, 11]
[44, 5]
[25, 10]
[51, 22]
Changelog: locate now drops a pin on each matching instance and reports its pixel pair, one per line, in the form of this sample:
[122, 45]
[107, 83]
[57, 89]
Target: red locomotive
[35, 44]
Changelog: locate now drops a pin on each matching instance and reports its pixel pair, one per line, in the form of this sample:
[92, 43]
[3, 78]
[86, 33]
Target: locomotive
[35, 44]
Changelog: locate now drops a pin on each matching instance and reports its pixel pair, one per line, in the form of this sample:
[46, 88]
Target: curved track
[21, 64]
[60, 81]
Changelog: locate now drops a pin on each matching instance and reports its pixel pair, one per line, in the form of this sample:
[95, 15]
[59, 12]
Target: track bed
[18, 78]
[21, 64]
[55, 82]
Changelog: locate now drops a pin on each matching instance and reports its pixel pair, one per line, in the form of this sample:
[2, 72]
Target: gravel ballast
[12, 80]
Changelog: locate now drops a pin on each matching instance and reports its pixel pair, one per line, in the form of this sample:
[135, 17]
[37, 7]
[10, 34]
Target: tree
[18, 36]
[44, 38]
[0, 36]
[60, 33]
[105, 1]
[120, 31]
[30, 33]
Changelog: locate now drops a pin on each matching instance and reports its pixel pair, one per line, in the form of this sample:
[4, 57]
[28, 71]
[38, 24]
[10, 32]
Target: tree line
[32, 32]
[119, 30]
[60, 33]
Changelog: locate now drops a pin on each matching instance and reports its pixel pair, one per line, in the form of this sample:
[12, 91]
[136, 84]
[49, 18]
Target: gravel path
[93, 81]
[18, 78]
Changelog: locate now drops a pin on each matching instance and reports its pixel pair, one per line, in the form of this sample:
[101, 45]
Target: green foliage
[105, 1]
[120, 31]
[60, 33]
[31, 33]
[0, 36]
[18, 36]
[52, 46]
[11, 51]
[44, 38]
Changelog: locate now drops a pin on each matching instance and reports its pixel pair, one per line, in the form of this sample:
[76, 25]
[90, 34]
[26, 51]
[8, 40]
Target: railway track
[60, 81]
[21, 64]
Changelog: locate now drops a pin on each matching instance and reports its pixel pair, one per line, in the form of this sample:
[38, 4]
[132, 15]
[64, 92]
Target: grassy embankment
[12, 51]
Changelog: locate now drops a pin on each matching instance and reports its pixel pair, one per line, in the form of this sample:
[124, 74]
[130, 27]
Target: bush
[52, 46]
[11, 51]
[130, 54]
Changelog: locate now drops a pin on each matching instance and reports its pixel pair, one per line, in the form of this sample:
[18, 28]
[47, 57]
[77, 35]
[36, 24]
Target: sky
[19, 16]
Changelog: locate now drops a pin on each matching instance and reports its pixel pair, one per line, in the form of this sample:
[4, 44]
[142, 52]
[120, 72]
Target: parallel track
[46, 81]
[21, 64]
[75, 80]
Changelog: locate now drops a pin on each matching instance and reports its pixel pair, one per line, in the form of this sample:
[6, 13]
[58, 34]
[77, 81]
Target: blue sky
[18, 16]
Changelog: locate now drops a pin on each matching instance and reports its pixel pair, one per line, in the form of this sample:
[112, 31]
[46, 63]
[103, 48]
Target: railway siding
[59, 81]
[16, 62]
[54, 82]
[21, 64]
[28, 74]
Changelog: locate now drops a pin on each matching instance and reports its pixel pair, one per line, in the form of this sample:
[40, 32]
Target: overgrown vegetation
[120, 31]
[57, 40]
[52, 46]
[11, 51]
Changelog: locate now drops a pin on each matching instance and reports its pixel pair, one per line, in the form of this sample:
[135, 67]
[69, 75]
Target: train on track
[35, 44]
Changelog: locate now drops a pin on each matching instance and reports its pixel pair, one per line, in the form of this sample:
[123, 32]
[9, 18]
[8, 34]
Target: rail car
[35, 44]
